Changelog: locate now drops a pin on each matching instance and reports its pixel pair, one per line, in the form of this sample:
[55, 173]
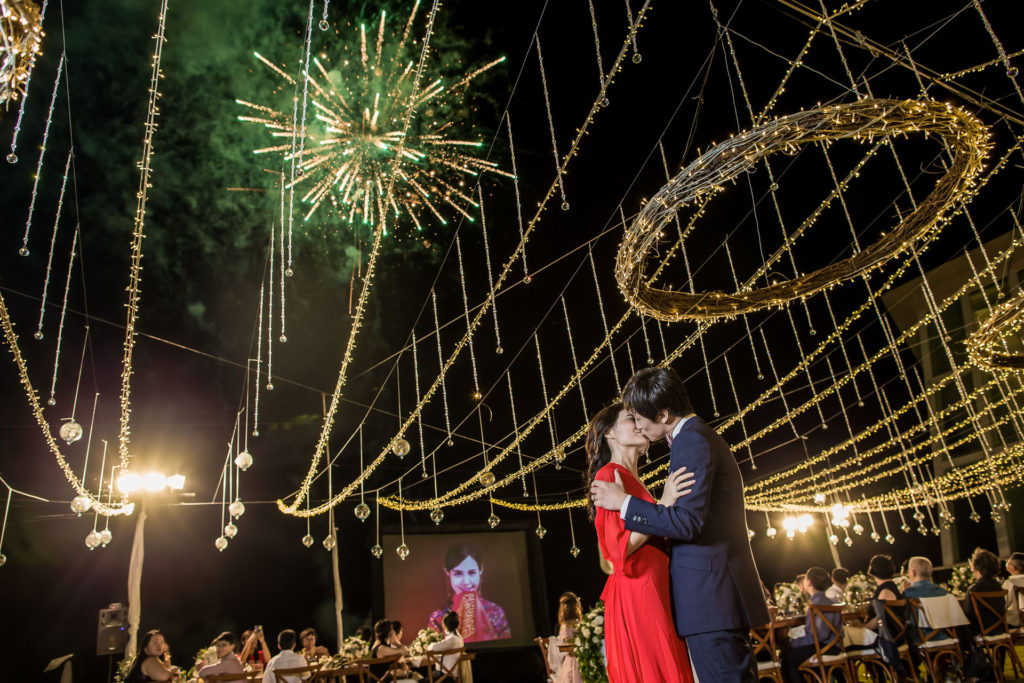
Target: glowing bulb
[176, 481]
[128, 483]
[154, 481]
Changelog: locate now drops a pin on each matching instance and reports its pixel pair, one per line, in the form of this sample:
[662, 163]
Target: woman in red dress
[640, 636]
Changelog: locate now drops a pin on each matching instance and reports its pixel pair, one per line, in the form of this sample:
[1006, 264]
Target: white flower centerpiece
[859, 589]
[352, 648]
[789, 598]
[589, 644]
[960, 580]
[424, 639]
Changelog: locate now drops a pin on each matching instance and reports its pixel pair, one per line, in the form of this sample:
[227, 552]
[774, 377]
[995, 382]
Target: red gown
[640, 636]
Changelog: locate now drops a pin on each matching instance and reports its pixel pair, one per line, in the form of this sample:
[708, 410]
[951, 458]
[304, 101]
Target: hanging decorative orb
[38, 336]
[377, 551]
[237, 509]
[230, 530]
[451, 442]
[71, 431]
[493, 520]
[848, 541]
[3, 559]
[996, 517]
[918, 515]
[487, 478]
[875, 536]
[362, 512]
[905, 528]
[400, 447]
[403, 551]
[92, 540]
[436, 515]
[51, 401]
[288, 271]
[270, 386]
[255, 432]
[323, 27]
[565, 206]
[889, 539]
[244, 460]
[975, 517]
[307, 541]
[1011, 72]
[283, 339]
[106, 537]
[750, 534]
[80, 504]
[770, 532]
[527, 279]
[499, 350]
[574, 551]
[936, 531]
[605, 102]
[330, 542]
[220, 543]
[858, 529]
[559, 455]
[540, 531]
[12, 158]
[833, 539]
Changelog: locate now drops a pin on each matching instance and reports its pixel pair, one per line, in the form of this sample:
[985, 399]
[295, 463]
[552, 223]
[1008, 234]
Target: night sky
[205, 257]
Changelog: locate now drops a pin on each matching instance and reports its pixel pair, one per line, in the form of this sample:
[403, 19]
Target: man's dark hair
[882, 567]
[819, 578]
[451, 621]
[840, 576]
[286, 639]
[652, 390]
[397, 626]
[227, 636]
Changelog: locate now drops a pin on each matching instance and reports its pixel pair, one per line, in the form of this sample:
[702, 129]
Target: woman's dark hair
[985, 562]
[569, 609]
[366, 633]
[457, 553]
[1016, 561]
[451, 621]
[652, 390]
[135, 672]
[381, 630]
[599, 453]
[819, 578]
[882, 567]
[397, 625]
[307, 632]
[240, 643]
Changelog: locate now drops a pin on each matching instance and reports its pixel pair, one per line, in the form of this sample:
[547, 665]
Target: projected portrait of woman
[479, 619]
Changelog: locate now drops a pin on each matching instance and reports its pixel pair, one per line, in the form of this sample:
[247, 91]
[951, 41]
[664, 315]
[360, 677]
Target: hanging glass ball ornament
[270, 386]
[3, 559]
[996, 517]
[220, 543]
[833, 539]
[936, 531]
[288, 271]
[858, 529]
[527, 279]
[330, 542]
[403, 551]
[848, 541]
[377, 551]
[324, 25]
[362, 512]
[307, 541]
[1011, 72]
[500, 350]
[237, 508]
[750, 534]
[975, 517]
[38, 335]
[875, 536]
[51, 401]
[71, 431]
[230, 530]
[770, 532]
[540, 531]
[92, 540]
[918, 515]
[493, 520]
[565, 206]
[905, 528]
[12, 158]
[637, 58]
[244, 460]
[574, 551]
[605, 102]
[106, 537]
[487, 478]
[400, 447]
[436, 515]
[80, 504]
[923, 530]
[890, 539]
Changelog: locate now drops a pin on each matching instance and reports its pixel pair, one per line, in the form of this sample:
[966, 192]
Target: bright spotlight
[789, 524]
[154, 481]
[805, 521]
[176, 481]
[128, 483]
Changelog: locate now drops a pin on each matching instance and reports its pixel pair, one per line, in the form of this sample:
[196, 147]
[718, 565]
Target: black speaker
[112, 630]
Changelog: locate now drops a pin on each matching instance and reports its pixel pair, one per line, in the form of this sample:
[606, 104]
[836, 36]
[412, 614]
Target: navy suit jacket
[715, 585]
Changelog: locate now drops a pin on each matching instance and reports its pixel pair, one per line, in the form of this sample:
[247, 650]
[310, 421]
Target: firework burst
[343, 158]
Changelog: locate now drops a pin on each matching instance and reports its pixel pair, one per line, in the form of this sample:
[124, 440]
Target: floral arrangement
[352, 647]
[123, 667]
[424, 639]
[789, 598]
[204, 657]
[589, 644]
[859, 589]
[960, 580]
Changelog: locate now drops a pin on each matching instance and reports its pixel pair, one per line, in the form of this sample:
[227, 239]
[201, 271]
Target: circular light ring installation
[985, 346]
[966, 137]
[21, 26]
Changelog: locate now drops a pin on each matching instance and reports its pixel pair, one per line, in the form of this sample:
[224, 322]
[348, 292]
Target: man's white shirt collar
[679, 425]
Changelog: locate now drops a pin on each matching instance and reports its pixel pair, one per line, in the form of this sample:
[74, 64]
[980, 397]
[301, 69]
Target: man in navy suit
[716, 591]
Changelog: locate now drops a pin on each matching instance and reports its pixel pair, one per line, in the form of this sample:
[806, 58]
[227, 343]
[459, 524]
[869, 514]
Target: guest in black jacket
[985, 566]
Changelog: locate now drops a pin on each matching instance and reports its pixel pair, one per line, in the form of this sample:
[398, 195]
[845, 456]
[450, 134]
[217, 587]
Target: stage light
[154, 481]
[176, 481]
[128, 483]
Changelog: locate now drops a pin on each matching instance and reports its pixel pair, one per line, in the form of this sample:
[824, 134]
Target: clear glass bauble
[833, 539]
[23, 251]
[493, 520]
[80, 504]
[750, 534]
[400, 447]
[574, 551]
[324, 25]
[220, 543]
[244, 460]
[975, 517]
[12, 158]
[307, 541]
[330, 542]
[71, 431]
[540, 531]
[637, 58]
[848, 541]
[93, 540]
[362, 512]
[230, 530]
[237, 508]
[858, 529]
[106, 537]
[875, 536]
[436, 515]
[486, 478]
[770, 532]
[3, 559]
[890, 539]
[403, 551]
[377, 551]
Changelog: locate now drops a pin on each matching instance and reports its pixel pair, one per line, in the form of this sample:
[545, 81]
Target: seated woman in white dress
[452, 640]
[569, 615]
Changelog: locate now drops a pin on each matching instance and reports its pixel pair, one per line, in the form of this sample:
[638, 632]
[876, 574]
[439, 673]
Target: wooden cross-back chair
[990, 611]
[391, 662]
[763, 640]
[242, 676]
[935, 644]
[296, 673]
[1017, 634]
[822, 665]
[542, 643]
[437, 671]
[897, 618]
[340, 674]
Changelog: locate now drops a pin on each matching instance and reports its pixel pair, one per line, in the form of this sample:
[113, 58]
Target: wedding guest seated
[150, 663]
[1015, 568]
[227, 660]
[384, 635]
[254, 649]
[919, 574]
[310, 650]
[881, 568]
[817, 581]
[396, 627]
[569, 614]
[837, 591]
[287, 658]
[985, 566]
[452, 640]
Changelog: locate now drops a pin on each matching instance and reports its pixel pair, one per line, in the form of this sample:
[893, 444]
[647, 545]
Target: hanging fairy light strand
[53, 245]
[60, 324]
[42, 153]
[20, 18]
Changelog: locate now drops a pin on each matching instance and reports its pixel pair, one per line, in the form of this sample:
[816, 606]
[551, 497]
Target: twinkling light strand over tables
[42, 153]
[21, 24]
